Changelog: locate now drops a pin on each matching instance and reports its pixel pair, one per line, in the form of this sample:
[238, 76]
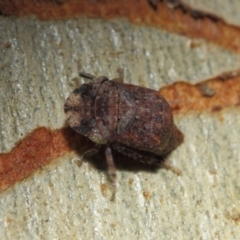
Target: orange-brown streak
[137, 11]
[184, 97]
[43, 145]
[34, 151]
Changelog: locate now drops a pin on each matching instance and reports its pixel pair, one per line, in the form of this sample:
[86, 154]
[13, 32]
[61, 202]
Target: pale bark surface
[63, 200]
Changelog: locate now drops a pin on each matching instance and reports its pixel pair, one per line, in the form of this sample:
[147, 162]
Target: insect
[132, 120]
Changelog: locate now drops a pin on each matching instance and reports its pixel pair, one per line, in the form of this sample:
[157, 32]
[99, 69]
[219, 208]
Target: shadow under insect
[121, 162]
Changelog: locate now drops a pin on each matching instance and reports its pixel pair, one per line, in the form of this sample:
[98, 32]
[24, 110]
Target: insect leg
[111, 166]
[120, 72]
[120, 78]
[144, 157]
[136, 154]
[88, 153]
[87, 75]
[169, 166]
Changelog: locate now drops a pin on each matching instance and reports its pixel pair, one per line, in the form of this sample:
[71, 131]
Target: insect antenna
[87, 75]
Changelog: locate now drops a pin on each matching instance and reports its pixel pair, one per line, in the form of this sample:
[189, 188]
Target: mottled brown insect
[135, 121]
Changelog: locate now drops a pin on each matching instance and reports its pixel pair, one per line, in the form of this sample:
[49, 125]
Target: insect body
[135, 121]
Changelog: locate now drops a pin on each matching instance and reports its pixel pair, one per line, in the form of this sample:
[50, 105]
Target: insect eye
[85, 126]
[83, 90]
[82, 129]
[86, 121]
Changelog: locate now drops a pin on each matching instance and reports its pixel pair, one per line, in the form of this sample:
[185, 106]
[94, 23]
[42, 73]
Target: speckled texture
[66, 201]
[227, 10]
[44, 57]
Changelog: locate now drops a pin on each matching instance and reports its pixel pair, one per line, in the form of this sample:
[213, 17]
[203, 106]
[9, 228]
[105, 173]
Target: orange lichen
[184, 97]
[43, 145]
[177, 20]
[34, 151]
